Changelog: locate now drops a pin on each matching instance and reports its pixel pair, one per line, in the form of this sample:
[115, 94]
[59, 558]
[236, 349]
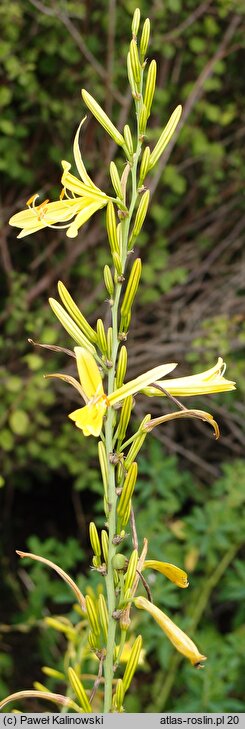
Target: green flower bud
[108, 280]
[103, 615]
[131, 571]
[70, 326]
[79, 691]
[140, 215]
[103, 465]
[144, 41]
[137, 443]
[135, 22]
[132, 287]
[102, 341]
[128, 488]
[134, 58]
[109, 342]
[115, 179]
[111, 227]
[142, 120]
[92, 615]
[105, 544]
[150, 86]
[128, 140]
[117, 262]
[121, 366]
[124, 417]
[165, 137]
[102, 118]
[94, 539]
[144, 167]
[75, 313]
[132, 663]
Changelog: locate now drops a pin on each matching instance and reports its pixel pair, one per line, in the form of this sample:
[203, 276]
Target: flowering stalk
[105, 410]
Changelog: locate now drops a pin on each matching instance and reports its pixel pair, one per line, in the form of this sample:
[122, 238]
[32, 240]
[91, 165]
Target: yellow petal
[204, 383]
[89, 373]
[136, 385]
[78, 159]
[33, 219]
[178, 638]
[89, 208]
[90, 418]
[173, 573]
[72, 183]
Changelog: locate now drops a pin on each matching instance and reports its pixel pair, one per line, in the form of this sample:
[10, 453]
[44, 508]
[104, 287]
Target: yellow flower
[205, 383]
[173, 573]
[82, 200]
[180, 640]
[90, 417]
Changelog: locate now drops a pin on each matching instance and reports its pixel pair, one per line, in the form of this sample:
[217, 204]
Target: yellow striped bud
[165, 137]
[79, 690]
[70, 326]
[48, 671]
[75, 313]
[125, 322]
[128, 140]
[126, 516]
[135, 64]
[124, 417]
[102, 118]
[119, 695]
[137, 443]
[144, 167]
[102, 341]
[131, 571]
[40, 687]
[93, 641]
[131, 76]
[135, 21]
[132, 663]
[132, 287]
[150, 86]
[108, 280]
[105, 544]
[96, 562]
[128, 488]
[109, 342]
[103, 615]
[65, 628]
[94, 539]
[115, 179]
[111, 227]
[121, 366]
[117, 263]
[142, 120]
[92, 615]
[140, 215]
[144, 41]
[103, 465]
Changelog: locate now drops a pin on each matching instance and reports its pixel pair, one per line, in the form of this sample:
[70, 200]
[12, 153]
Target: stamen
[31, 201]
[222, 369]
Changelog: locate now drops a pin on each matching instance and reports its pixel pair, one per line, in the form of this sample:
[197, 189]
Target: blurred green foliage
[191, 308]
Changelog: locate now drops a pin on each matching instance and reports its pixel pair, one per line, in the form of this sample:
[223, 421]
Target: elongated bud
[131, 571]
[137, 443]
[132, 663]
[128, 488]
[105, 544]
[140, 215]
[135, 21]
[144, 41]
[124, 323]
[142, 120]
[103, 465]
[165, 136]
[132, 287]
[94, 539]
[131, 79]
[126, 516]
[135, 64]
[144, 167]
[118, 696]
[75, 313]
[111, 226]
[109, 342]
[92, 615]
[48, 671]
[108, 280]
[128, 139]
[79, 690]
[61, 627]
[124, 417]
[70, 326]
[115, 179]
[102, 341]
[150, 86]
[121, 366]
[102, 118]
[103, 615]
[117, 262]
[93, 641]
